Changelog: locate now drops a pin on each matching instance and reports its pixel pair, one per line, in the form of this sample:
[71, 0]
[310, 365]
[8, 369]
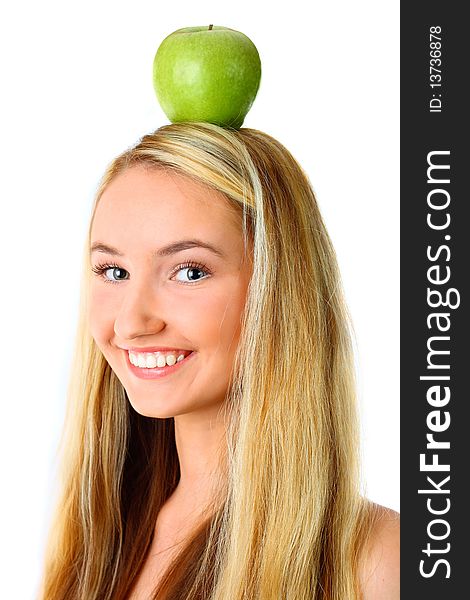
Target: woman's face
[157, 291]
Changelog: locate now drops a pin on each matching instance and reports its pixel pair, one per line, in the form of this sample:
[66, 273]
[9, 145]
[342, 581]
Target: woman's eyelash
[191, 265]
[101, 269]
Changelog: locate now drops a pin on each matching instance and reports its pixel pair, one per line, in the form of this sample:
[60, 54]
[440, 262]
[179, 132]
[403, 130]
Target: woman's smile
[148, 366]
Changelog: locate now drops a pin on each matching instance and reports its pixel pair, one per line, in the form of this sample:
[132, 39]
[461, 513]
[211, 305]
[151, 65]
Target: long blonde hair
[290, 522]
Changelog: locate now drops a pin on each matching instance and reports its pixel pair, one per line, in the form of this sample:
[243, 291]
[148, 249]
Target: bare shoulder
[380, 561]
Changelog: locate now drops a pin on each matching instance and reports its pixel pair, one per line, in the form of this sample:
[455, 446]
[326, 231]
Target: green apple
[208, 73]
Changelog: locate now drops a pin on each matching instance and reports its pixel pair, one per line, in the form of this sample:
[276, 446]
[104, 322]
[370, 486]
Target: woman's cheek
[101, 312]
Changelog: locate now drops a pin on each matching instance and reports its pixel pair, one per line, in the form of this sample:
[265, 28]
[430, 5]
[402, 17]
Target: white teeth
[170, 360]
[161, 360]
[150, 360]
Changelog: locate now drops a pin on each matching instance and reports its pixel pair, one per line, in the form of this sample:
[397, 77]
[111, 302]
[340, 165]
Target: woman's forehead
[161, 207]
[139, 189]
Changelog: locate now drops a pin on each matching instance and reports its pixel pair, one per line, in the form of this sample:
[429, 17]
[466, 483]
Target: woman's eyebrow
[168, 250]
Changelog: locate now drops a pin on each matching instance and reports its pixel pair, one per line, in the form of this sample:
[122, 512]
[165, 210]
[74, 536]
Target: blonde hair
[289, 522]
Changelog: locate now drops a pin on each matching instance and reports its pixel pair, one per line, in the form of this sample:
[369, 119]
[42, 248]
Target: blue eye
[102, 269]
[118, 274]
[193, 270]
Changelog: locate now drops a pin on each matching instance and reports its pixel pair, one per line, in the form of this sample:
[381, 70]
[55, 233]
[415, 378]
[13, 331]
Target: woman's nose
[140, 313]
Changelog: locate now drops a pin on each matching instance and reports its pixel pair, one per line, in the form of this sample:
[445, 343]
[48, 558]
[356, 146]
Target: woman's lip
[157, 372]
[155, 349]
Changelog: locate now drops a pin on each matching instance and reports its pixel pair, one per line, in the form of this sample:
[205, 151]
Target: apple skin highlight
[207, 73]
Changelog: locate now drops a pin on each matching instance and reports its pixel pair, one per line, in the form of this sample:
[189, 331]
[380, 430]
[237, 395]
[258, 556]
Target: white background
[77, 90]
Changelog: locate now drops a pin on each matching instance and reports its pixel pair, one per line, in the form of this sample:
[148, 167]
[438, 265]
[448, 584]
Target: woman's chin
[151, 409]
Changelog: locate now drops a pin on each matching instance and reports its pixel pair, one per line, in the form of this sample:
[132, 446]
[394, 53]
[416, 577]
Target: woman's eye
[115, 274]
[187, 273]
[191, 273]
[110, 273]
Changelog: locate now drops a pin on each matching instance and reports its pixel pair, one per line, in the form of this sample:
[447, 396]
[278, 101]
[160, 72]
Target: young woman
[210, 450]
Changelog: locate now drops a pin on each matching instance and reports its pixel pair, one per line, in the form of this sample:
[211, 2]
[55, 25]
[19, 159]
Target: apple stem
[210, 27]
